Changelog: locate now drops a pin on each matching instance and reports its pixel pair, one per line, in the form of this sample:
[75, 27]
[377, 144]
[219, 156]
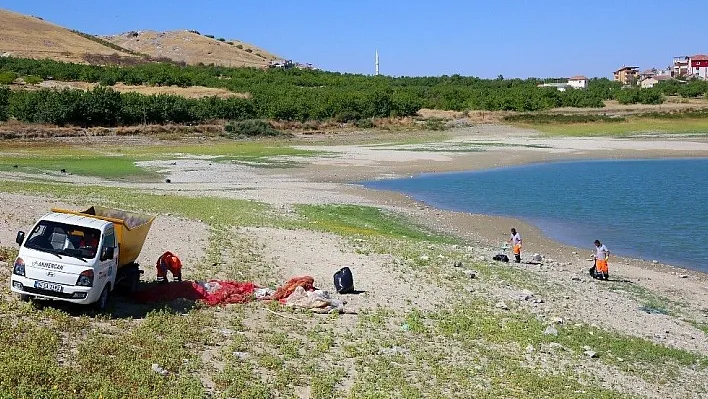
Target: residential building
[647, 73]
[698, 66]
[558, 86]
[680, 66]
[578, 82]
[648, 83]
[627, 75]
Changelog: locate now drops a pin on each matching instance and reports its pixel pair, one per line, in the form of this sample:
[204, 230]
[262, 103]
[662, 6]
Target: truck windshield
[64, 239]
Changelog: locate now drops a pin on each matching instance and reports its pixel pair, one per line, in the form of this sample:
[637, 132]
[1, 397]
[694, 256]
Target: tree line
[103, 106]
[298, 95]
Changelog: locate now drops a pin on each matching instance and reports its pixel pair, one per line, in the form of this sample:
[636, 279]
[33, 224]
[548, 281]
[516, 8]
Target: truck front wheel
[102, 302]
[25, 297]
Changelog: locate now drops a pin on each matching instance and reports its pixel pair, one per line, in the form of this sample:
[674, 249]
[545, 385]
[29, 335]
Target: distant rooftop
[579, 77]
[699, 57]
[627, 68]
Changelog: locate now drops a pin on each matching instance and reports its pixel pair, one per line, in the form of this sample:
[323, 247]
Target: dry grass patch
[193, 48]
[30, 37]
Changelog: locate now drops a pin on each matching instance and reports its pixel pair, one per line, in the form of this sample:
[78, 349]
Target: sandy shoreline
[364, 165]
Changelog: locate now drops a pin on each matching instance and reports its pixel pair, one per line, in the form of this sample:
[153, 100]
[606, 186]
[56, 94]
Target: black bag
[501, 258]
[344, 281]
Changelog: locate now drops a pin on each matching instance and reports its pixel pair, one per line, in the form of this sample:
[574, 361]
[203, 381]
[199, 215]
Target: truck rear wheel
[102, 301]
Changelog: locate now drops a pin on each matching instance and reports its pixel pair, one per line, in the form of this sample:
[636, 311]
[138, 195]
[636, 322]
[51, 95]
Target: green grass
[107, 167]
[631, 127]
[50, 354]
[364, 221]
[119, 163]
[649, 301]
[212, 211]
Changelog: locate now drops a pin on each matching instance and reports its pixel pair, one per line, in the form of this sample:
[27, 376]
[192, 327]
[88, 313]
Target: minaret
[377, 62]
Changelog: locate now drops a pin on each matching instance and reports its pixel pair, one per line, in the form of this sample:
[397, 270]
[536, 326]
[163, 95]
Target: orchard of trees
[297, 95]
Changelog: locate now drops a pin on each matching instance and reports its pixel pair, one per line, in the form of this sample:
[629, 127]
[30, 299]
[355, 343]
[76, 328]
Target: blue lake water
[647, 209]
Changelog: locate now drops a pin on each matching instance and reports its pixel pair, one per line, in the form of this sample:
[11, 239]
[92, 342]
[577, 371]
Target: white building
[558, 86]
[648, 83]
[578, 82]
[698, 66]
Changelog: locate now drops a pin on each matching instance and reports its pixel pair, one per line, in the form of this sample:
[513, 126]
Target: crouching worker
[168, 262]
[601, 255]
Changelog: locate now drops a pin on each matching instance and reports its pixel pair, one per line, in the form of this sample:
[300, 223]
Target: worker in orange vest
[168, 261]
[601, 256]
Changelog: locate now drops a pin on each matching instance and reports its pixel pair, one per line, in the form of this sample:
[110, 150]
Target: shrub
[7, 78]
[239, 46]
[435, 124]
[365, 123]
[248, 50]
[347, 116]
[231, 43]
[250, 128]
[32, 79]
[4, 102]
[221, 39]
[209, 36]
[560, 118]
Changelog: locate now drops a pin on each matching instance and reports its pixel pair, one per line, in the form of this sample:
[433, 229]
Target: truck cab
[67, 257]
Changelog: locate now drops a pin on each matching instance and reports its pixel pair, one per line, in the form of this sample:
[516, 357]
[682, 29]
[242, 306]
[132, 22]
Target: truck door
[108, 266]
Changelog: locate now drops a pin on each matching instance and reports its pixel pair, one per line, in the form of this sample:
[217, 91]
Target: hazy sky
[515, 38]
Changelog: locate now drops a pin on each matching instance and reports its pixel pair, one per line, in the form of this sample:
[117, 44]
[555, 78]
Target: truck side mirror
[20, 237]
[108, 253]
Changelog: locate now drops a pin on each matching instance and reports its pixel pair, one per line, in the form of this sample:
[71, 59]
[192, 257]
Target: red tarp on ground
[225, 292]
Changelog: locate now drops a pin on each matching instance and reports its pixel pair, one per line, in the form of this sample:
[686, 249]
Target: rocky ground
[660, 303]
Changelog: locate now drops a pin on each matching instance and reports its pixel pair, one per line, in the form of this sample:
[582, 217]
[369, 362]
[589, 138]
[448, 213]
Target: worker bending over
[168, 261]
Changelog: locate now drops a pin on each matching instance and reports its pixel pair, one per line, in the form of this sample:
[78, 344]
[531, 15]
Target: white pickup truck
[79, 257]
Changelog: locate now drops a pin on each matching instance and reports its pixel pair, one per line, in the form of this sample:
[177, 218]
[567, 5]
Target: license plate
[48, 286]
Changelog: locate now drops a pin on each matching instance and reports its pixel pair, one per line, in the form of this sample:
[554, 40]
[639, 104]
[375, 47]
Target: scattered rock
[575, 278]
[471, 274]
[550, 330]
[683, 276]
[424, 257]
[558, 320]
[591, 354]
[530, 348]
[538, 300]
[168, 181]
[574, 253]
[396, 350]
[241, 355]
[457, 264]
[159, 370]
[501, 305]
[655, 261]
[555, 345]
[537, 258]
[525, 296]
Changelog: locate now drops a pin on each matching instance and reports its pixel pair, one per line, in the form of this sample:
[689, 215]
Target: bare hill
[31, 37]
[192, 48]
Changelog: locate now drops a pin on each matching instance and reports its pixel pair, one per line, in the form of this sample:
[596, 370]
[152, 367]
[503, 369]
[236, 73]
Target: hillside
[192, 48]
[31, 37]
